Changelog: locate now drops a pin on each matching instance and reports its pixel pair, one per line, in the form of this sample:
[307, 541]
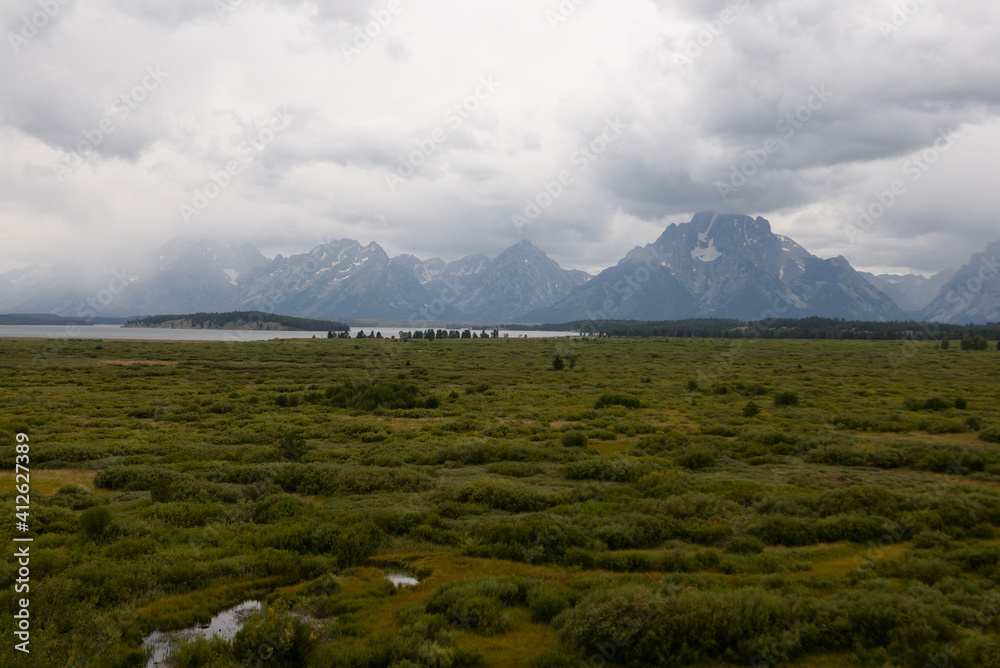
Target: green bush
[379, 393]
[745, 545]
[274, 638]
[751, 410]
[95, 521]
[786, 399]
[619, 469]
[635, 531]
[779, 530]
[853, 528]
[546, 602]
[697, 459]
[654, 445]
[990, 435]
[531, 539]
[478, 604]
[501, 494]
[617, 399]
[574, 439]
[514, 469]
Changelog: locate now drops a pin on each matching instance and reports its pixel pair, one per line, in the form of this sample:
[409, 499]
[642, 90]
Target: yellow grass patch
[49, 481]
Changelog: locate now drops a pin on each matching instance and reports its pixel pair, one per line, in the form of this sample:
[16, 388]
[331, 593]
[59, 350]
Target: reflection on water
[225, 625]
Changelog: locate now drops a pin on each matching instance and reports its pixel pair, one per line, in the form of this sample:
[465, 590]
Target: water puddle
[225, 625]
[402, 580]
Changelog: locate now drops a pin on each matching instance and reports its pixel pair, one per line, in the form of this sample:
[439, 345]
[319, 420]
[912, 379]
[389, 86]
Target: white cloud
[698, 84]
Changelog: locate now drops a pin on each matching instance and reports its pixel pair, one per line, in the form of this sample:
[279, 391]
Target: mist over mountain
[973, 293]
[728, 266]
[911, 292]
[717, 265]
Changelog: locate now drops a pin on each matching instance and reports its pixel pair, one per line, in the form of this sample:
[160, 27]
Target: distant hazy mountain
[57, 290]
[911, 292]
[723, 266]
[973, 293]
[521, 279]
[187, 276]
[342, 279]
[727, 266]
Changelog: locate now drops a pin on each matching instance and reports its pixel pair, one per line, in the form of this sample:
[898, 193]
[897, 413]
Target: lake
[230, 335]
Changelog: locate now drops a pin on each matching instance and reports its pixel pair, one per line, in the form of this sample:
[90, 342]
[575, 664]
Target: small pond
[225, 625]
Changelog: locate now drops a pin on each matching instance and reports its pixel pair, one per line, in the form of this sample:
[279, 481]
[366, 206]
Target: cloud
[802, 110]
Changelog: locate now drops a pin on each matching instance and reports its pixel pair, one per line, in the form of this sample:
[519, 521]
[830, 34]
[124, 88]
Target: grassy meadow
[653, 502]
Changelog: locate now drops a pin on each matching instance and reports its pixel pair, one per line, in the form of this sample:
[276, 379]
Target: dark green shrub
[501, 495]
[292, 448]
[697, 459]
[990, 435]
[853, 528]
[95, 521]
[744, 545]
[635, 531]
[557, 363]
[531, 539]
[617, 399]
[574, 439]
[479, 604]
[929, 539]
[633, 626]
[514, 469]
[786, 399]
[274, 637]
[654, 445]
[928, 570]
[380, 393]
[789, 531]
[932, 404]
[751, 410]
[620, 469]
[624, 562]
[546, 602]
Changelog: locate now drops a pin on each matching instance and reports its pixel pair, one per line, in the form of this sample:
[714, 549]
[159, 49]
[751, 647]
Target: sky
[867, 129]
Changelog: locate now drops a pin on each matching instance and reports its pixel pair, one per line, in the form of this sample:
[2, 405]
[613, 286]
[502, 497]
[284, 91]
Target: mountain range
[717, 265]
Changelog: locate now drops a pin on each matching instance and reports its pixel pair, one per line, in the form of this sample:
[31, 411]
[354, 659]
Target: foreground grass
[729, 502]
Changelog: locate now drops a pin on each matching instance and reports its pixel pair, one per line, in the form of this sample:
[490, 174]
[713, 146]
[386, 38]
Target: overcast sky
[434, 133]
